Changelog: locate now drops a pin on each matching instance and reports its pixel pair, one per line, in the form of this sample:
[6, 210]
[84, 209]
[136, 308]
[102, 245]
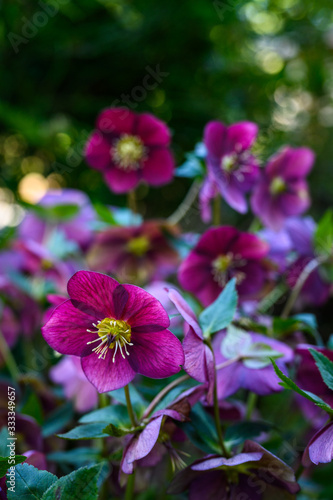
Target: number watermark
[11, 438]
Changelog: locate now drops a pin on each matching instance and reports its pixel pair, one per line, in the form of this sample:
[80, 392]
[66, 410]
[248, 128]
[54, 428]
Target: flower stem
[251, 404]
[131, 202]
[217, 211]
[103, 400]
[309, 268]
[185, 205]
[129, 493]
[131, 413]
[8, 358]
[163, 393]
[299, 472]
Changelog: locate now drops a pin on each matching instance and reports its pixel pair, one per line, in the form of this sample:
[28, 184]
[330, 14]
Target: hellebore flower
[233, 170]
[76, 226]
[129, 147]
[68, 372]
[254, 474]
[250, 366]
[282, 190]
[199, 359]
[320, 448]
[147, 446]
[136, 253]
[315, 290]
[117, 330]
[309, 379]
[221, 254]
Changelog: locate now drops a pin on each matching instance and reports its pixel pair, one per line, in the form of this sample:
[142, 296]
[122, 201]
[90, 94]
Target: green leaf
[323, 238]
[88, 431]
[30, 483]
[57, 212]
[221, 312]
[78, 456]
[138, 402]
[237, 433]
[80, 484]
[4, 451]
[58, 419]
[289, 384]
[112, 430]
[114, 414]
[325, 366]
[105, 214]
[192, 167]
[201, 430]
[7, 462]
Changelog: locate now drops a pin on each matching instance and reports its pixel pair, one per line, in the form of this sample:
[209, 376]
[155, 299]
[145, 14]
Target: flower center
[229, 162]
[128, 152]
[277, 186]
[138, 246]
[112, 334]
[223, 269]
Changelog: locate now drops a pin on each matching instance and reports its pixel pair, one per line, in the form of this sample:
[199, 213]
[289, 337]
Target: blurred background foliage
[63, 61]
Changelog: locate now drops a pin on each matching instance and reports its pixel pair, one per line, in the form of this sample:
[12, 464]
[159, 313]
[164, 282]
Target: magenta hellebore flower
[233, 170]
[135, 253]
[117, 330]
[254, 474]
[221, 254]
[129, 147]
[248, 355]
[282, 190]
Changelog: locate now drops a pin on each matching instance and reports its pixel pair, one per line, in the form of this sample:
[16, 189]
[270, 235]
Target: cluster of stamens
[222, 266]
[128, 152]
[112, 334]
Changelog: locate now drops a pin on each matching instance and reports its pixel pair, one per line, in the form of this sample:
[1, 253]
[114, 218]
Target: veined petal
[156, 355]
[142, 309]
[215, 138]
[241, 136]
[120, 181]
[66, 330]
[152, 131]
[158, 167]
[116, 121]
[104, 374]
[97, 151]
[186, 311]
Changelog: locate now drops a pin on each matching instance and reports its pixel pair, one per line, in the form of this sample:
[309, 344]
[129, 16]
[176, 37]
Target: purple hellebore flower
[36, 458]
[199, 359]
[309, 379]
[146, 446]
[320, 447]
[221, 254]
[280, 246]
[250, 367]
[159, 289]
[282, 190]
[68, 372]
[233, 170]
[129, 147]
[254, 474]
[315, 290]
[76, 228]
[117, 330]
[135, 253]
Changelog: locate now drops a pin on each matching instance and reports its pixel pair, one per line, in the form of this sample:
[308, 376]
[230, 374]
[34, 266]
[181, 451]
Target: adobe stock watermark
[30, 27]
[151, 80]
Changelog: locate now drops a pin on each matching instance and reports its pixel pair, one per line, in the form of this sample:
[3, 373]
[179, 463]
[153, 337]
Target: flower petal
[158, 167]
[116, 121]
[66, 330]
[120, 181]
[97, 291]
[152, 131]
[156, 355]
[241, 136]
[104, 374]
[97, 151]
[186, 311]
[143, 310]
[215, 138]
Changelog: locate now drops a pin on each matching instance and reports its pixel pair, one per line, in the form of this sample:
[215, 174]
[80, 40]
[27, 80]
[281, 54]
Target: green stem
[251, 404]
[299, 472]
[129, 494]
[131, 413]
[163, 393]
[186, 204]
[103, 400]
[217, 211]
[8, 358]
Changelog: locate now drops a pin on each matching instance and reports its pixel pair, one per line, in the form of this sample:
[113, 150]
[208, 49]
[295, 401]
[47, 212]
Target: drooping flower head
[254, 474]
[135, 253]
[221, 254]
[282, 190]
[129, 147]
[233, 170]
[117, 330]
[249, 357]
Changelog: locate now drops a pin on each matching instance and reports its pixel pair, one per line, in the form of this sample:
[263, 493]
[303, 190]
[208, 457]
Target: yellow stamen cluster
[229, 162]
[277, 186]
[128, 152]
[112, 334]
[138, 246]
